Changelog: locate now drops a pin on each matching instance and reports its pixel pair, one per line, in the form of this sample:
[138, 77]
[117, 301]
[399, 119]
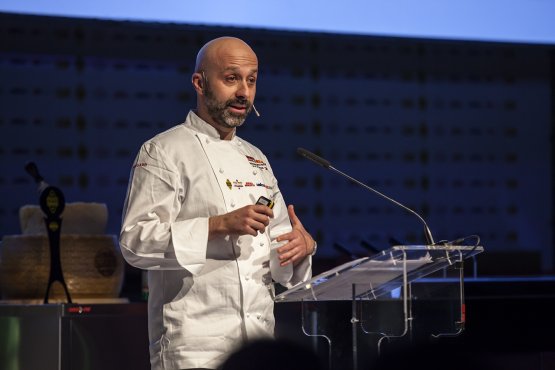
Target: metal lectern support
[407, 307]
[458, 265]
[354, 323]
[309, 334]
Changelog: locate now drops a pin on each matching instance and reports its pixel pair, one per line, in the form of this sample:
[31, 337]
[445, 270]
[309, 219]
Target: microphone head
[314, 158]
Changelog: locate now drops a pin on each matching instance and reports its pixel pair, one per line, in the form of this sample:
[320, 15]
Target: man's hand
[247, 220]
[300, 243]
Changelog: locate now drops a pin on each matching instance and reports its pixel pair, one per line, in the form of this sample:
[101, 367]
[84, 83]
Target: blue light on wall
[528, 21]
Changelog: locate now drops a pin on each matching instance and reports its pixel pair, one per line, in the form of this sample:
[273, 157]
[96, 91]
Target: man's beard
[223, 116]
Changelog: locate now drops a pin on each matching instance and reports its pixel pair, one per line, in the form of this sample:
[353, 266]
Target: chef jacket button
[261, 244]
[254, 172]
[248, 314]
[247, 277]
[232, 204]
[207, 141]
[238, 142]
[238, 241]
[221, 170]
[259, 316]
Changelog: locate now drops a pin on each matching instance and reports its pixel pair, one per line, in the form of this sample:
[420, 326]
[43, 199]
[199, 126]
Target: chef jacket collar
[203, 127]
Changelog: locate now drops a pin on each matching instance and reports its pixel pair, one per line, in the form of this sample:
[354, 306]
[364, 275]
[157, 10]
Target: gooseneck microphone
[326, 164]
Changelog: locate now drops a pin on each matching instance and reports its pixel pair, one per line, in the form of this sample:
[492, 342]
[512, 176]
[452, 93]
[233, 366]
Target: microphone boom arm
[326, 164]
[427, 231]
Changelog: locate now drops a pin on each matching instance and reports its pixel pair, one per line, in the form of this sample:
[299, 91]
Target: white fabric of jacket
[205, 297]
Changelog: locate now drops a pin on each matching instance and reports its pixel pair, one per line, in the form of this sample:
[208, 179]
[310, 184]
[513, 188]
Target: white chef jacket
[205, 297]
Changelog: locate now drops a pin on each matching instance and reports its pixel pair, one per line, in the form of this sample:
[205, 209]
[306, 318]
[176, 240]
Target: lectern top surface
[371, 277]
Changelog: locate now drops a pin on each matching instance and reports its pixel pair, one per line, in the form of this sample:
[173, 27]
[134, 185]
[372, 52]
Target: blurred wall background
[460, 131]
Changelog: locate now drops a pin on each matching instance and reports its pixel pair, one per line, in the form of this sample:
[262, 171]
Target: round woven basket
[92, 266]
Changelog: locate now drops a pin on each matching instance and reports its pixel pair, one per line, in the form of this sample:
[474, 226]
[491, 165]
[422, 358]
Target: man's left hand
[301, 243]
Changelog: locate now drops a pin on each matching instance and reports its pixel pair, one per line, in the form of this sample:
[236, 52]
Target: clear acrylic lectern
[385, 276]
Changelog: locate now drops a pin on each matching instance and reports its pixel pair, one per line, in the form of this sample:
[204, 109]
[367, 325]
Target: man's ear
[198, 82]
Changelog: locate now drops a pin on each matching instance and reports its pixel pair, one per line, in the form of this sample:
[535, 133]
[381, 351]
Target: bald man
[191, 219]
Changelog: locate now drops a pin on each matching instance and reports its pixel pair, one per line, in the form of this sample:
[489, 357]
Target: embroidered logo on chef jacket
[264, 185]
[239, 184]
[142, 164]
[257, 163]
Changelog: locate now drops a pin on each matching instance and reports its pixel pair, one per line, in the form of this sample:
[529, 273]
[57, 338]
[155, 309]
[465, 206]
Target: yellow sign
[53, 226]
[52, 201]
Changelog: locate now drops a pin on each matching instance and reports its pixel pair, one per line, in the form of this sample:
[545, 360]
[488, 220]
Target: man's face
[228, 112]
[230, 84]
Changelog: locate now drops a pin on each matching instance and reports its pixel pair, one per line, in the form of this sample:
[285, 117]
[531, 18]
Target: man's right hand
[247, 220]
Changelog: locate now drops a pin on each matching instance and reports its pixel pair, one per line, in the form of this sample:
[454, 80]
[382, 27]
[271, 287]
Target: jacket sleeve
[151, 237]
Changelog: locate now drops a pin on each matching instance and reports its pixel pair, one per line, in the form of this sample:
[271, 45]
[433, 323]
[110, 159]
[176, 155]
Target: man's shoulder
[175, 134]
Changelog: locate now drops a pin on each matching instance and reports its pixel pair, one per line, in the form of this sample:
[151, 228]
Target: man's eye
[231, 78]
[252, 80]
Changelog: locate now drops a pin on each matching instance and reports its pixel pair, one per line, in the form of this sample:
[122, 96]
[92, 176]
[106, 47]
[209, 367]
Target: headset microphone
[255, 111]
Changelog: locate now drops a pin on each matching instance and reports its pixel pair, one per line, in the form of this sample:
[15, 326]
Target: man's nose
[243, 90]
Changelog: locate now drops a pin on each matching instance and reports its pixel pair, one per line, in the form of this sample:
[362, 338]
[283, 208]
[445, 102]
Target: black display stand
[52, 204]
